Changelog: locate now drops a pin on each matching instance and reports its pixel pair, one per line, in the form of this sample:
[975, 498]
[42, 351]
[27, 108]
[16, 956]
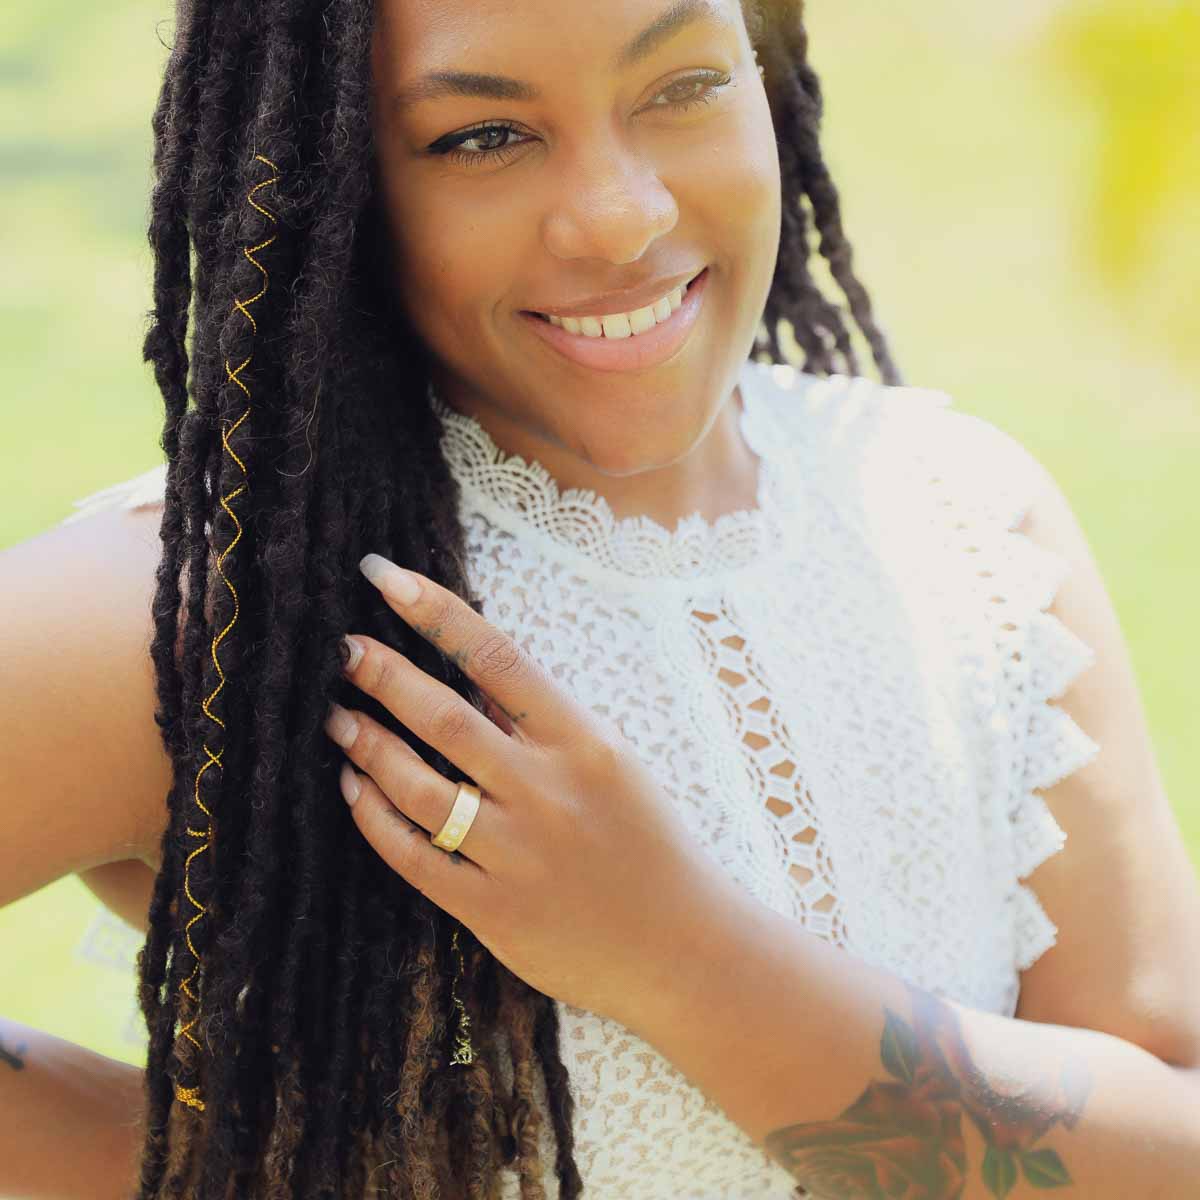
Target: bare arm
[83, 772]
[124, 888]
[83, 777]
[71, 1120]
[853, 1081]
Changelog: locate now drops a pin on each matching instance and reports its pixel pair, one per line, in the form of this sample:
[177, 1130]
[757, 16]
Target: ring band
[458, 823]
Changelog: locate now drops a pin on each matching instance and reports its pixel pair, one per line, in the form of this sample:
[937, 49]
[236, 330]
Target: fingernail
[349, 783]
[356, 652]
[341, 726]
[399, 584]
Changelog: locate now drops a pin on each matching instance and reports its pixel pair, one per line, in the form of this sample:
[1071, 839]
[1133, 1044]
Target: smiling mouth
[619, 323]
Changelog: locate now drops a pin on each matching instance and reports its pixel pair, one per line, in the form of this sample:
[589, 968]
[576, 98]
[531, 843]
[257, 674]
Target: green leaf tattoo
[902, 1139]
[999, 1171]
[1043, 1168]
[899, 1048]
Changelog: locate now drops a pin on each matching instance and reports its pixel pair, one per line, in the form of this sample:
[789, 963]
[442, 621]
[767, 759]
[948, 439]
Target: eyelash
[448, 146]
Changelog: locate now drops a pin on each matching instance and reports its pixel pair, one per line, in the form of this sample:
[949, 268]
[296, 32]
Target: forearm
[848, 1077]
[71, 1120]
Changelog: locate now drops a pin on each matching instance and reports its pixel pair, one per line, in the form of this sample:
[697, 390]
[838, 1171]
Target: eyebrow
[437, 84]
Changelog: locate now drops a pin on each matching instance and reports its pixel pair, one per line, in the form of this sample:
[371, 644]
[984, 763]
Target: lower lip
[633, 353]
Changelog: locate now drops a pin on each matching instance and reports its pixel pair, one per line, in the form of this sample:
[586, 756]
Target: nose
[611, 204]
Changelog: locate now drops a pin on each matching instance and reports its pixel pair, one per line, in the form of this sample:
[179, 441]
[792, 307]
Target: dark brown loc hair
[324, 1023]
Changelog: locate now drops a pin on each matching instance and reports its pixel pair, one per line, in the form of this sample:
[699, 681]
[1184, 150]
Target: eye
[494, 134]
[709, 82]
[451, 146]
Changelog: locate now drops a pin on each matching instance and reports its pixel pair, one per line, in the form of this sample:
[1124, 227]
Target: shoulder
[1104, 891]
[886, 455]
[1122, 901]
[144, 490]
[84, 774]
[831, 417]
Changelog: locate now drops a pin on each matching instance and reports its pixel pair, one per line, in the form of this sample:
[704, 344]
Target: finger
[524, 691]
[451, 881]
[437, 714]
[422, 794]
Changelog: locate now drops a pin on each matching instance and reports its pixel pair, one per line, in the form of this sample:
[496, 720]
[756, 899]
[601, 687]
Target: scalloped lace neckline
[578, 524]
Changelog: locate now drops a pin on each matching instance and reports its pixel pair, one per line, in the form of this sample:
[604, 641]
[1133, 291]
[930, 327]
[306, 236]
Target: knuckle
[447, 720]
[440, 612]
[405, 847]
[603, 751]
[430, 794]
[499, 659]
[381, 674]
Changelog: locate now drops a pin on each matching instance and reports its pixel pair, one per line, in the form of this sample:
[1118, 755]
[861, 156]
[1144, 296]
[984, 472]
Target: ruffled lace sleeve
[985, 482]
[1041, 658]
[1053, 747]
[146, 488]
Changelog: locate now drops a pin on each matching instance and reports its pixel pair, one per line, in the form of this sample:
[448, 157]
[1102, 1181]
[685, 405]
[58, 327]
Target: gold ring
[458, 823]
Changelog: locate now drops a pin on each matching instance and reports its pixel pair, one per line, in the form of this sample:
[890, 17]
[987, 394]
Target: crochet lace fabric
[845, 692]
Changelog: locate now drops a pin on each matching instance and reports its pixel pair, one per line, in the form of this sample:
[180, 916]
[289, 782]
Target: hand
[576, 873]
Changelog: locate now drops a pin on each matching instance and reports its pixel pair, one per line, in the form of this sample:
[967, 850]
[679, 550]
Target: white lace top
[846, 692]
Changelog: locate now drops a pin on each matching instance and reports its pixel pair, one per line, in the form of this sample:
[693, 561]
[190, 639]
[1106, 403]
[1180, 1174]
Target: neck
[718, 474]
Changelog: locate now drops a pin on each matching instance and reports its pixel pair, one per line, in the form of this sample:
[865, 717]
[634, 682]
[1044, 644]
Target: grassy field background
[1016, 181]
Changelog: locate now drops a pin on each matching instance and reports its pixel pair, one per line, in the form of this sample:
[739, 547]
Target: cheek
[746, 173]
[447, 270]
[735, 196]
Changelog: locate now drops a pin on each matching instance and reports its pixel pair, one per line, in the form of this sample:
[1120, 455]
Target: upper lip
[626, 300]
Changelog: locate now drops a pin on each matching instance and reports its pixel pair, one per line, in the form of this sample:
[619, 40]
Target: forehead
[413, 36]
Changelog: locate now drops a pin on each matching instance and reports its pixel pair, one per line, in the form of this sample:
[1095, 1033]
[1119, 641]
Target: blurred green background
[1020, 183]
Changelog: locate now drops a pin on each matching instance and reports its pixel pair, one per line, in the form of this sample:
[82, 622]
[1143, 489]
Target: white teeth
[622, 325]
[642, 319]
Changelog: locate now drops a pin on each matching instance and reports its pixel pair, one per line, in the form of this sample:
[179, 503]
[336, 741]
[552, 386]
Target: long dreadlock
[317, 1039]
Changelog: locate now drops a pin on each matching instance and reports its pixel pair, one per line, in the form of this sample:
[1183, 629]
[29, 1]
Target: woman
[477, 289]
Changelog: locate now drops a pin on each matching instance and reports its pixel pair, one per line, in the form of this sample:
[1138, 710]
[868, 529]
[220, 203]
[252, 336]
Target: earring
[761, 69]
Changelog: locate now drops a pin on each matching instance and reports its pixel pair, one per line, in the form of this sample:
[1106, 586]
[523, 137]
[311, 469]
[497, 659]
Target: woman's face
[630, 145]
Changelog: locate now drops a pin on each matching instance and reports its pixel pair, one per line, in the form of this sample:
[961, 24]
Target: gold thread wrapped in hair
[464, 1053]
[191, 1095]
